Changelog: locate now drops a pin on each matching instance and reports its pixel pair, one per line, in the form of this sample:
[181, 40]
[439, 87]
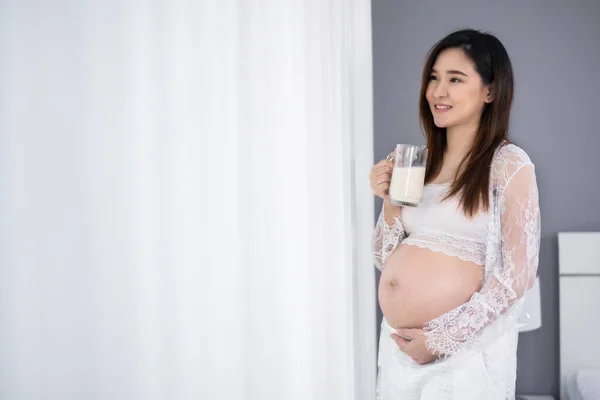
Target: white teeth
[443, 107]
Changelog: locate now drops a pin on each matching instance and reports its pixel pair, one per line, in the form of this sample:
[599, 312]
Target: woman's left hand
[416, 347]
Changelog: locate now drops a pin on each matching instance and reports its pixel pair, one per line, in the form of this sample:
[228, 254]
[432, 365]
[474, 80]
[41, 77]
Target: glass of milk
[408, 176]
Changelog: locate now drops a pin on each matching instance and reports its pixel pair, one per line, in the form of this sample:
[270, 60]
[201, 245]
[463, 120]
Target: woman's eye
[432, 77]
[454, 80]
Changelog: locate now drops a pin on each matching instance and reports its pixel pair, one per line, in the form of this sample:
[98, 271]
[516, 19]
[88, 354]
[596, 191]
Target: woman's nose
[441, 90]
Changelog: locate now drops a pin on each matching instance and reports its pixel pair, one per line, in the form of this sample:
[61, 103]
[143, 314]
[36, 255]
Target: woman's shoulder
[508, 159]
[511, 153]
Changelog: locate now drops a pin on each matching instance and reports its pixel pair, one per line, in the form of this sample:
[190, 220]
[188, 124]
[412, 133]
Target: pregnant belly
[418, 285]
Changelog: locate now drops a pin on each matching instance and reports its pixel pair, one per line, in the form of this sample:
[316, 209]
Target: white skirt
[488, 373]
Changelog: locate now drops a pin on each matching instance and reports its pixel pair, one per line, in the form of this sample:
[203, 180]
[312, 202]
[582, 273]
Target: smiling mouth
[442, 108]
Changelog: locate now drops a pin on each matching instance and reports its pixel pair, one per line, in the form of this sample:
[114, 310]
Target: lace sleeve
[519, 238]
[385, 238]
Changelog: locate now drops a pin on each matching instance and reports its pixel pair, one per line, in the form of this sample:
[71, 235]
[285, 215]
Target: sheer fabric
[439, 225]
[511, 256]
[476, 374]
[463, 248]
[386, 238]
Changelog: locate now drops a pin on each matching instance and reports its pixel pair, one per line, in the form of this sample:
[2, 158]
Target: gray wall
[555, 50]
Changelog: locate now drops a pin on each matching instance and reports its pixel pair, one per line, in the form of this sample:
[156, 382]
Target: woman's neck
[459, 142]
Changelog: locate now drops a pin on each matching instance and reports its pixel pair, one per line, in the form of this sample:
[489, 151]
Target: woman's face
[455, 93]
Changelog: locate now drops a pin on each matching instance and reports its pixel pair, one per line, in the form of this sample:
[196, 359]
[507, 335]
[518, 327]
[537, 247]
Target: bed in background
[579, 298]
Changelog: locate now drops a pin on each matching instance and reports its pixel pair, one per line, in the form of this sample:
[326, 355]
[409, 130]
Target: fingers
[383, 165]
[408, 348]
[401, 342]
[382, 189]
[387, 179]
[382, 183]
[382, 170]
[385, 161]
[404, 333]
[380, 177]
[412, 343]
[412, 333]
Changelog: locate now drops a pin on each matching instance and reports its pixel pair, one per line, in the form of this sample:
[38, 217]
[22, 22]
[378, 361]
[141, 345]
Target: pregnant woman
[455, 268]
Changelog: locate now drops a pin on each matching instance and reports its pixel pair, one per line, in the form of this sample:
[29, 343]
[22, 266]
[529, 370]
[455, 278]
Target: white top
[442, 226]
[512, 243]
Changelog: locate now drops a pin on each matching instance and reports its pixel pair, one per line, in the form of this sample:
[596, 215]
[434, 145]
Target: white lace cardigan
[511, 260]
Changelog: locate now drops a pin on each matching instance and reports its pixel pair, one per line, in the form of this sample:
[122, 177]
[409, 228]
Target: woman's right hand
[380, 178]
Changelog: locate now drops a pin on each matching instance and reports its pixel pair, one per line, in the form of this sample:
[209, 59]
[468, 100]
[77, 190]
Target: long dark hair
[494, 67]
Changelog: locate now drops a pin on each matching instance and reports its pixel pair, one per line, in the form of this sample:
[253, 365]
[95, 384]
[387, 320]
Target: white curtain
[184, 201]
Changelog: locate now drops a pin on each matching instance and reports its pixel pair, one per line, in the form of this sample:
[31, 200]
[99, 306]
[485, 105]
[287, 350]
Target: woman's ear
[489, 97]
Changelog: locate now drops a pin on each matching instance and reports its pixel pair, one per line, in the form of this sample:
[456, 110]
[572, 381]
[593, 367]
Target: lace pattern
[465, 249]
[512, 253]
[511, 256]
[385, 239]
[488, 374]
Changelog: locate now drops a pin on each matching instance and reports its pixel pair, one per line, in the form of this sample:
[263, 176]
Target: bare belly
[418, 285]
